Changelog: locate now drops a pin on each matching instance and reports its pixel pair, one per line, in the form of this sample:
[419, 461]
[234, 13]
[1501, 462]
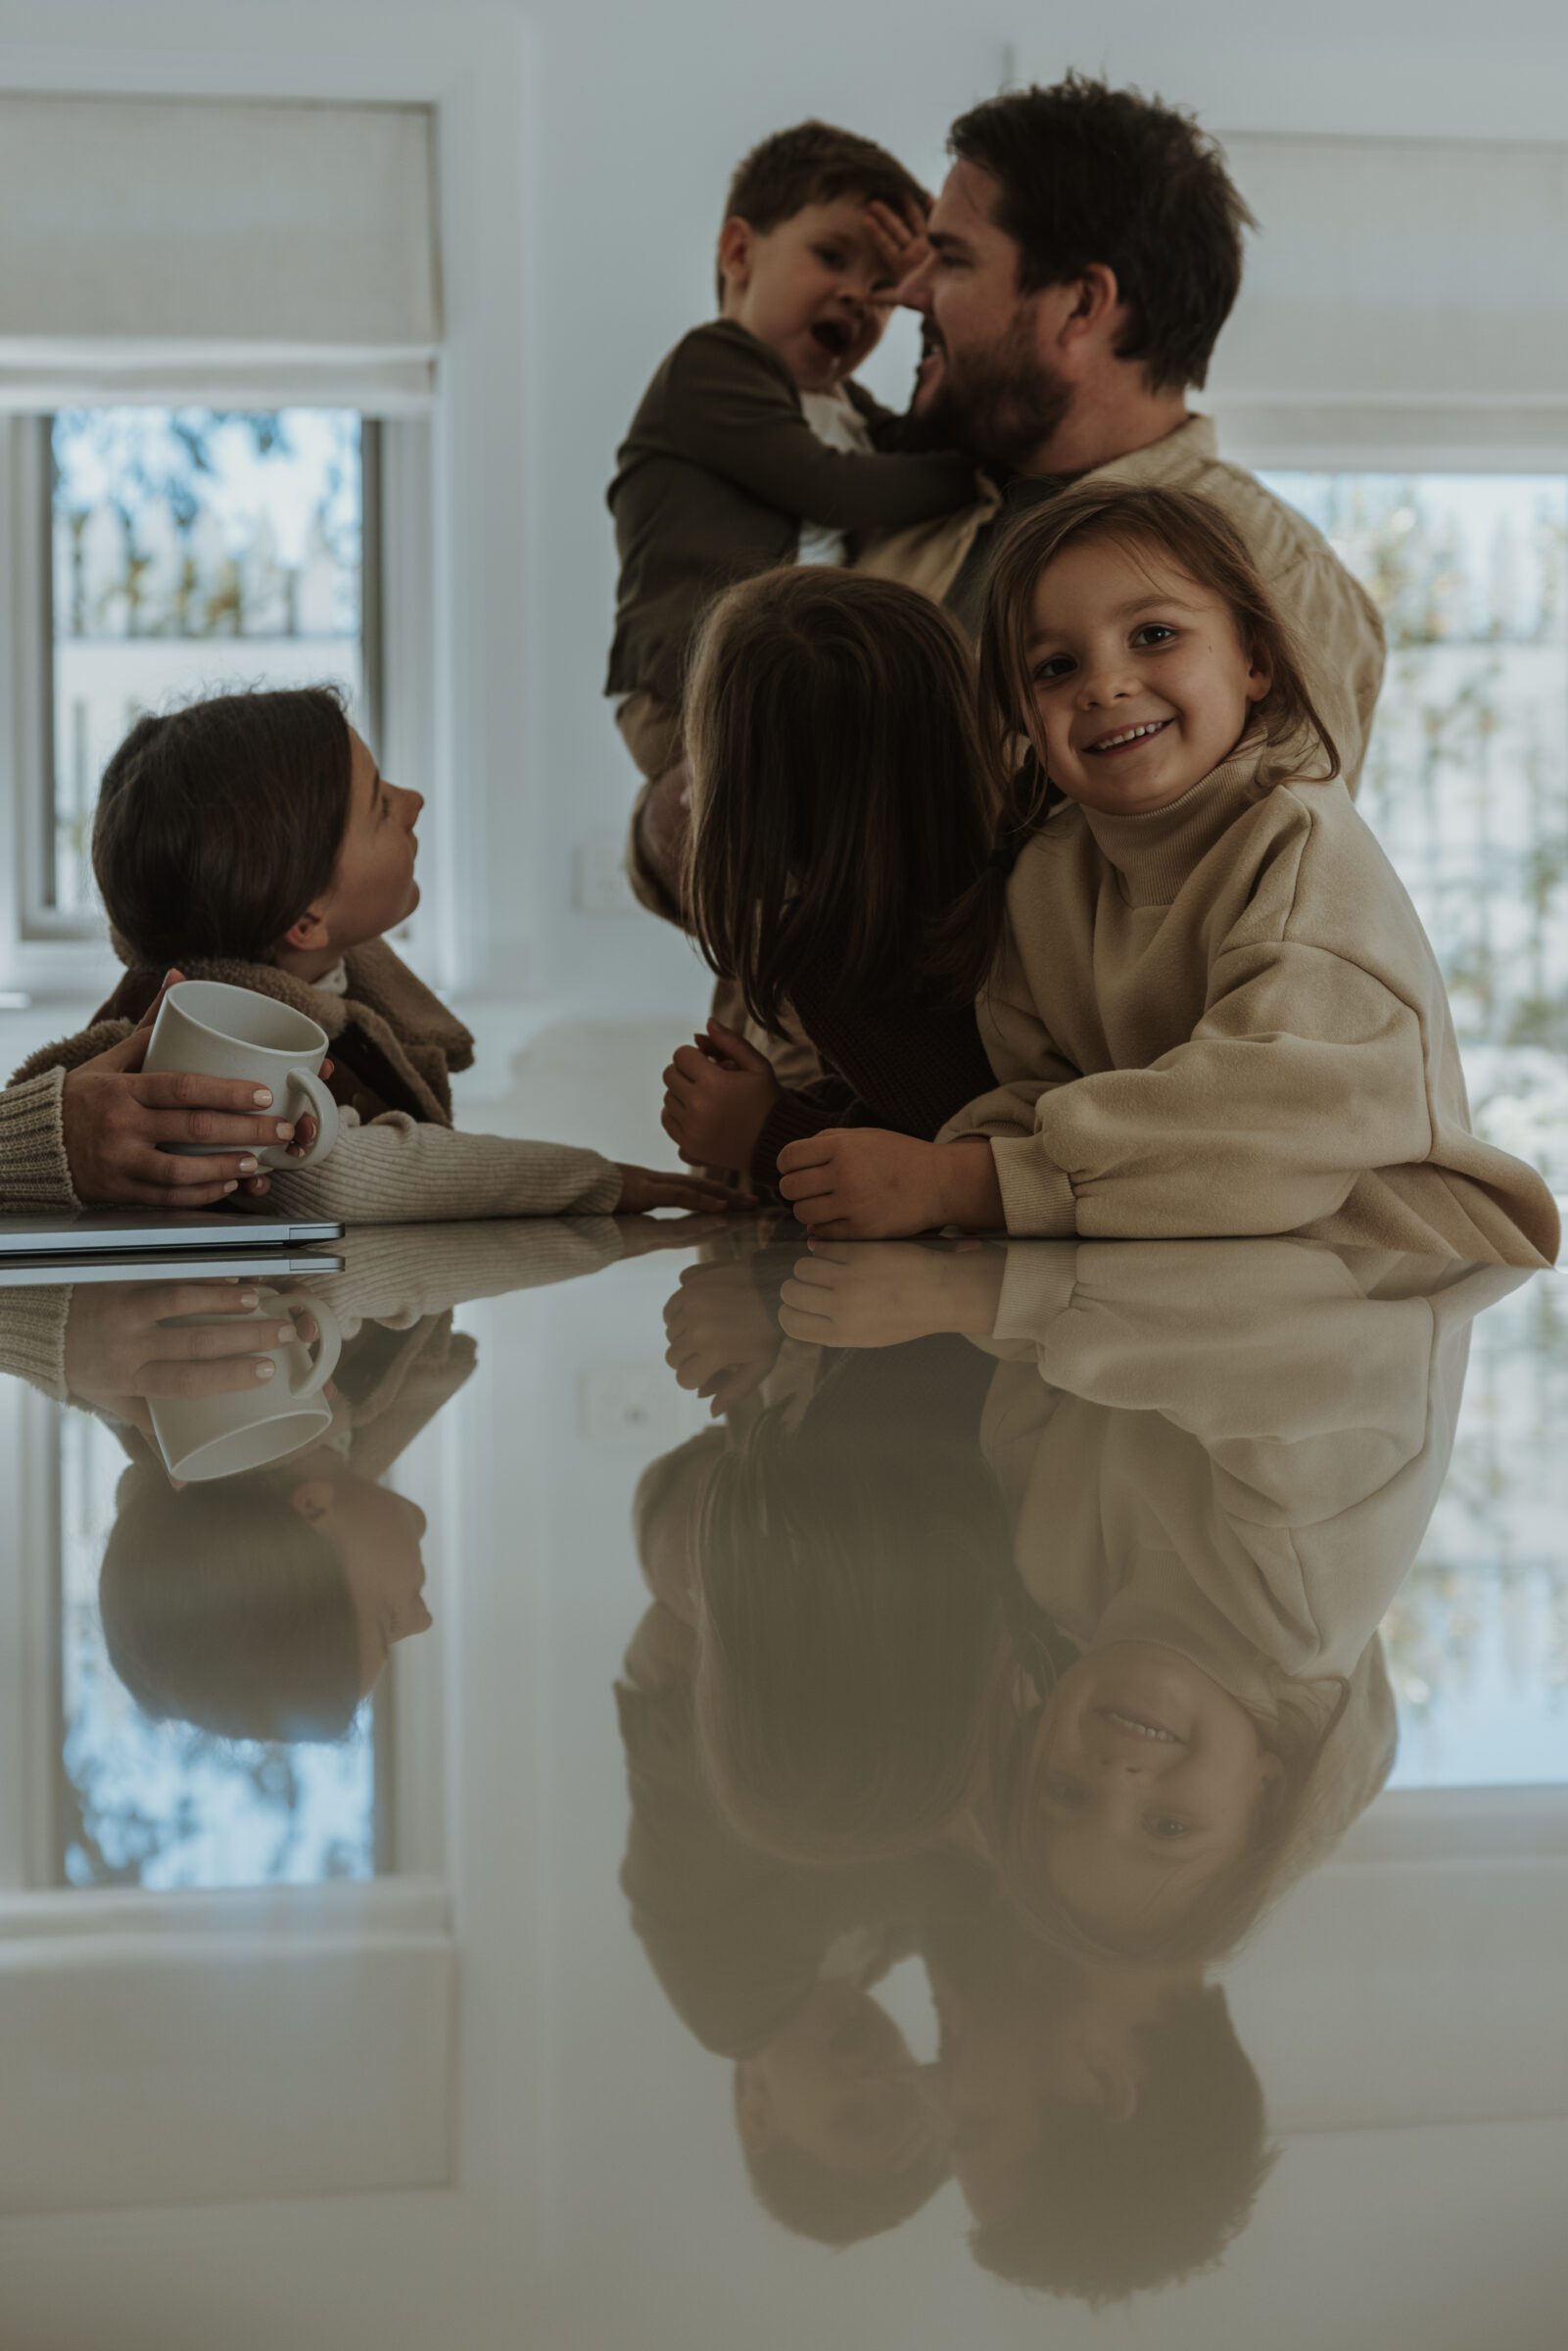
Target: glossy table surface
[646, 1785]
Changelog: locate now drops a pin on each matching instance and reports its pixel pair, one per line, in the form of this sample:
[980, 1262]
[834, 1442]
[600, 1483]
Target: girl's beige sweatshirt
[1224, 1017]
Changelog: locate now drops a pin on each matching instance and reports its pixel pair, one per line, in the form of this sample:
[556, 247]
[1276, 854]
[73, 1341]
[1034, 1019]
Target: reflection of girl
[1223, 1462]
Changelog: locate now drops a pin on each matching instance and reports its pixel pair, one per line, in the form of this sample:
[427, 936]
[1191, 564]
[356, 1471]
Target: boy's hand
[644, 1189]
[844, 1296]
[865, 1183]
[899, 240]
[718, 1094]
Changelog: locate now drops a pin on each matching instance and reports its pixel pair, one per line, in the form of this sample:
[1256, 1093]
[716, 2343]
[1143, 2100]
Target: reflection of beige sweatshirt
[1234, 1449]
[1224, 1017]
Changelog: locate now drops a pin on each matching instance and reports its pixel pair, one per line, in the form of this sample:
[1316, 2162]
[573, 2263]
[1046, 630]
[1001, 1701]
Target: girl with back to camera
[844, 824]
[1216, 1011]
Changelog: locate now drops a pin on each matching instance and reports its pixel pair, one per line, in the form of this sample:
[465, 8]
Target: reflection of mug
[217, 1031]
[217, 1436]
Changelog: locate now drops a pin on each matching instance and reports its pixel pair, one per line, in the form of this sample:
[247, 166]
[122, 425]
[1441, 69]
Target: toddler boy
[754, 445]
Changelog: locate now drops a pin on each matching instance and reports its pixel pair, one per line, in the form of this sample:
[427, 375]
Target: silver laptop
[128, 1236]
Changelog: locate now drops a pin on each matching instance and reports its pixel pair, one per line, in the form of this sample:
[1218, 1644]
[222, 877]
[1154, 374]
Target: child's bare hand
[864, 1183]
[644, 1189]
[899, 240]
[844, 1295]
[718, 1094]
[724, 1339]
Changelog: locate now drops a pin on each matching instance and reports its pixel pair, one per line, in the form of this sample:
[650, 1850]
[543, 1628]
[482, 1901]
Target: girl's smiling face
[1151, 1780]
[1139, 680]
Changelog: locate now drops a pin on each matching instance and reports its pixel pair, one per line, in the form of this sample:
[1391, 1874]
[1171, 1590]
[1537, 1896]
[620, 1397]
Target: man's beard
[1002, 403]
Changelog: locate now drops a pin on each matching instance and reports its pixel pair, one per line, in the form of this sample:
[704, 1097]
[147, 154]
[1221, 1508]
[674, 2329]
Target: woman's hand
[719, 1092]
[867, 1183]
[128, 1341]
[116, 1118]
[645, 1188]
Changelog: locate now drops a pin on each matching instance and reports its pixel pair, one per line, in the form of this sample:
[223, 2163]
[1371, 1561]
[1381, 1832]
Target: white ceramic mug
[217, 1031]
[204, 1437]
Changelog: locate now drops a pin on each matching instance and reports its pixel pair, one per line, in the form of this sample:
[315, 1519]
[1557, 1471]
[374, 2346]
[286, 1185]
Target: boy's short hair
[1108, 2208]
[834, 2209]
[218, 824]
[814, 164]
[1087, 173]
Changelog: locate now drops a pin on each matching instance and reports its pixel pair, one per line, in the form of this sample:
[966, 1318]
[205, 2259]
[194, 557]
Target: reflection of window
[190, 551]
[1466, 783]
[1477, 1640]
[158, 1804]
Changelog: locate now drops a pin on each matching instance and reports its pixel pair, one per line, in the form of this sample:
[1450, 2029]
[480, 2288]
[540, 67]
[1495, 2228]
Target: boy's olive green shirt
[714, 480]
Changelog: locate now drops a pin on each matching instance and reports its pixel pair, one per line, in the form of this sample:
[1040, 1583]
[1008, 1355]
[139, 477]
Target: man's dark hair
[1085, 173]
[218, 824]
[1108, 2208]
[815, 163]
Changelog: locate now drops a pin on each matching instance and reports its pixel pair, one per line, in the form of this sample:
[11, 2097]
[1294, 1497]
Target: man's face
[985, 378]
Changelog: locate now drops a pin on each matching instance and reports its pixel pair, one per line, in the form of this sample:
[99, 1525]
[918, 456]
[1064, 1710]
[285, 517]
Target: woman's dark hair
[1201, 542]
[1107, 2209]
[223, 1607]
[844, 814]
[218, 824]
[1086, 174]
[833, 2208]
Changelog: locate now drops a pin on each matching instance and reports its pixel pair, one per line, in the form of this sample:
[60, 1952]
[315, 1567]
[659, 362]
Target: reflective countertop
[586, 1784]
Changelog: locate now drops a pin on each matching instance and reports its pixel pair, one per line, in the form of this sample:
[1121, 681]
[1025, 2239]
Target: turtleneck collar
[1155, 851]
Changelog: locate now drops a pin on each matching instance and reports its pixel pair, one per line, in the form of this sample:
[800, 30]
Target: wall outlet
[598, 875]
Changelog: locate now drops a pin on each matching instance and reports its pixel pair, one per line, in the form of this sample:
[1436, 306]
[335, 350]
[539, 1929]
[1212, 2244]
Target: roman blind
[1404, 300]
[234, 253]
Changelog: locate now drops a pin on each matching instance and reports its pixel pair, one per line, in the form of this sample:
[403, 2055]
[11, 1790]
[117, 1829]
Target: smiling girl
[1215, 1010]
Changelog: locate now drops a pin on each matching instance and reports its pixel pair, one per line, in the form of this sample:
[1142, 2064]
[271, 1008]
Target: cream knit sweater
[1224, 1017]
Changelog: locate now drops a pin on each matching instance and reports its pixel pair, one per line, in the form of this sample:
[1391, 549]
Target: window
[1466, 780]
[160, 1804]
[188, 550]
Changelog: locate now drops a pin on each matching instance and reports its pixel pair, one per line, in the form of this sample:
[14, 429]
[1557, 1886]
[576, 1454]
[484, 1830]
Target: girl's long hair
[844, 811]
[1201, 542]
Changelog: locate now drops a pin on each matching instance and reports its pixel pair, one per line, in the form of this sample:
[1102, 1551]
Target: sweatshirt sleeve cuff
[33, 1336]
[34, 1172]
[1037, 1198]
[1038, 1286]
[601, 1191]
[792, 1120]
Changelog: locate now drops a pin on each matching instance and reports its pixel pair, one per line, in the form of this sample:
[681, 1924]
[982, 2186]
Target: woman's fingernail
[231, 1187]
[285, 1333]
[262, 1097]
[246, 1166]
[250, 1297]
[285, 1130]
[265, 1369]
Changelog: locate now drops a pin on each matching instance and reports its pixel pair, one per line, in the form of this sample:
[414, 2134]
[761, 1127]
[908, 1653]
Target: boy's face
[1151, 1778]
[813, 289]
[1119, 639]
[372, 888]
[840, 2084]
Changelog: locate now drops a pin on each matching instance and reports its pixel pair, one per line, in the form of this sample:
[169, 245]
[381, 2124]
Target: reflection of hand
[724, 1339]
[846, 1296]
[718, 1093]
[640, 1235]
[124, 1340]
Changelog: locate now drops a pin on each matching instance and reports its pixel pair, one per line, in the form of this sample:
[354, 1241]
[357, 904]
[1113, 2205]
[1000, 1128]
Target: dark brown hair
[1204, 544]
[1107, 2209]
[218, 824]
[832, 2207]
[813, 163]
[223, 1607]
[849, 1635]
[1086, 174]
[844, 814]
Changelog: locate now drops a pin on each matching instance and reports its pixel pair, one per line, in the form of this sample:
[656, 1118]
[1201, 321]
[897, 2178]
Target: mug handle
[329, 1344]
[325, 1111]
